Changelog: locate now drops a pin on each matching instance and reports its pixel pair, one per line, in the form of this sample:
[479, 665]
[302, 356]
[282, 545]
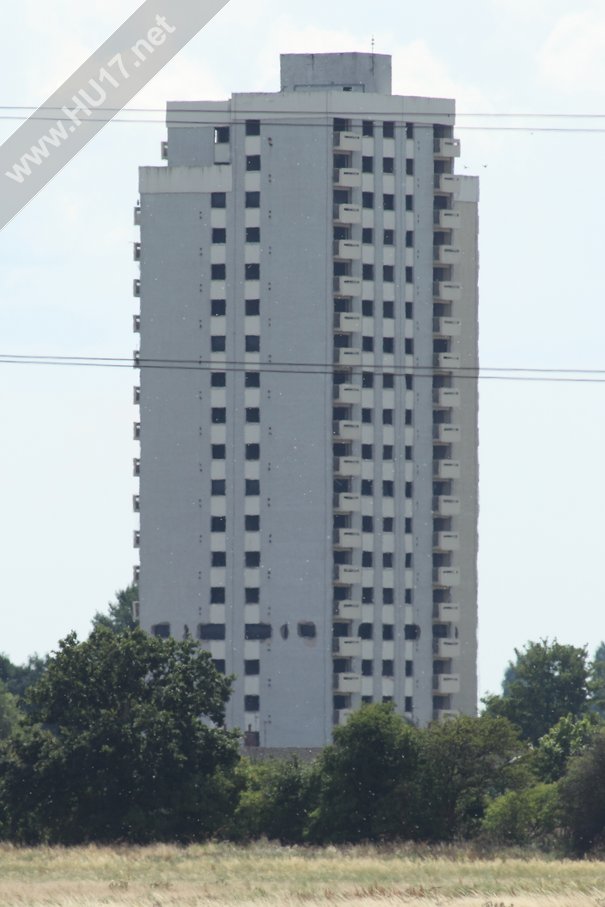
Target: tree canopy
[120, 614]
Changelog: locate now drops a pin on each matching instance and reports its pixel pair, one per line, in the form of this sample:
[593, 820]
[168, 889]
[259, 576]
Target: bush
[525, 817]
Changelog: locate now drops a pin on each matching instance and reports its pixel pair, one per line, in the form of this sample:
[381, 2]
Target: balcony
[347, 357]
[346, 575]
[341, 716]
[136, 324]
[346, 431]
[446, 576]
[347, 214]
[447, 327]
[446, 469]
[136, 467]
[346, 538]
[136, 539]
[446, 397]
[348, 249]
[346, 503]
[446, 219]
[346, 286]
[446, 613]
[136, 288]
[347, 610]
[136, 503]
[346, 683]
[446, 648]
[347, 141]
[446, 683]
[447, 183]
[347, 178]
[446, 255]
[445, 290]
[446, 434]
[445, 714]
[136, 251]
[445, 505]
[446, 361]
[347, 323]
[136, 431]
[137, 216]
[348, 394]
[346, 646]
[446, 541]
[446, 148]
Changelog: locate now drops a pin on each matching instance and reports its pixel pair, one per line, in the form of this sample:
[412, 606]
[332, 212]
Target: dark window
[409, 203]
[251, 667]
[221, 135]
[367, 487]
[409, 310]
[367, 344]
[366, 452]
[251, 703]
[388, 164]
[387, 524]
[409, 593]
[219, 235]
[409, 669]
[388, 380]
[388, 273]
[389, 237]
[388, 630]
[218, 307]
[252, 307]
[367, 199]
[387, 452]
[367, 667]
[217, 595]
[387, 668]
[388, 202]
[409, 275]
[252, 487]
[387, 559]
[367, 164]
[257, 631]
[218, 451]
[307, 629]
[388, 489]
[367, 595]
[366, 415]
[252, 451]
[412, 631]
[252, 414]
[387, 599]
[409, 167]
[252, 127]
[366, 631]
[161, 630]
[252, 379]
[252, 558]
[252, 523]
[218, 343]
[367, 524]
[388, 130]
[211, 631]
[367, 235]
[341, 196]
[252, 343]
[218, 487]
[367, 559]
[218, 200]
[387, 417]
[409, 130]
[253, 162]
[409, 704]
[341, 125]
[252, 199]
[252, 595]
[367, 307]
[219, 664]
[408, 560]
[409, 346]
[368, 272]
[218, 559]
[408, 490]
[408, 524]
[252, 271]
[218, 379]
[367, 127]
[388, 345]
[409, 238]
[218, 415]
[218, 523]
[218, 272]
[253, 234]
[409, 417]
[409, 454]
[388, 309]
[367, 379]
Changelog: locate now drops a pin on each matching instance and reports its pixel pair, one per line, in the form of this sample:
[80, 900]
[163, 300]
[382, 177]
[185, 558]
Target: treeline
[120, 737]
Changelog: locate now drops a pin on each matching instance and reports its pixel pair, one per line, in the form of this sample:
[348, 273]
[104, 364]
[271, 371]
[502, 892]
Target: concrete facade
[308, 469]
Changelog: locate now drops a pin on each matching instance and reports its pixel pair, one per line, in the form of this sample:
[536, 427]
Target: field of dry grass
[225, 876]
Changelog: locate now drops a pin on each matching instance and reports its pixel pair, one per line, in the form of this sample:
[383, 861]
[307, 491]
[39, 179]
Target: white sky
[66, 274]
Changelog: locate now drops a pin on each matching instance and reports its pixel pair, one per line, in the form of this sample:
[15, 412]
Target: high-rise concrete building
[308, 414]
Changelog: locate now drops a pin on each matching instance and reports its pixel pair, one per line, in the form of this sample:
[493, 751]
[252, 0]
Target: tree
[17, 678]
[567, 738]
[549, 681]
[597, 681]
[464, 763]
[523, 817]
[10, 715]
[120, 616]
[123, 742]
[582, 794]
[274, 802]
[366, 780]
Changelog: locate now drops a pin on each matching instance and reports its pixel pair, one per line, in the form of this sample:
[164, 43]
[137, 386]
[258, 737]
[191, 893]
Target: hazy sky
[66, 275]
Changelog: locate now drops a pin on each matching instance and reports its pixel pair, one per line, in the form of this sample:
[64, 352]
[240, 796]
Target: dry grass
[222, 875]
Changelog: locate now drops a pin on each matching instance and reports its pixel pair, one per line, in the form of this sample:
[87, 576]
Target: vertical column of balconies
[346, 423]
[446, 430]
[136, 327]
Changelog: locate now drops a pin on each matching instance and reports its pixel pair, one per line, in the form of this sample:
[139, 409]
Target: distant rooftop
[336, 72]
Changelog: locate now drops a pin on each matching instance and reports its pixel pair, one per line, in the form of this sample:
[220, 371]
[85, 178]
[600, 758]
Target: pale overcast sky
[66, 289]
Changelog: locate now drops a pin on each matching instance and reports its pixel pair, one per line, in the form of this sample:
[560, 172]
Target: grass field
[224, 875]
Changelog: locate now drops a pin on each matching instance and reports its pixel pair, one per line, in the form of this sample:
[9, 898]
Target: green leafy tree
[464, 763]
[10, 715]
[274, 801]
[582, 793]
[366, 780]
[17, 678]
[569, 737]
[124, 741]
[120, 613]
[524, 817]
[549, 681]
[597, 681]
